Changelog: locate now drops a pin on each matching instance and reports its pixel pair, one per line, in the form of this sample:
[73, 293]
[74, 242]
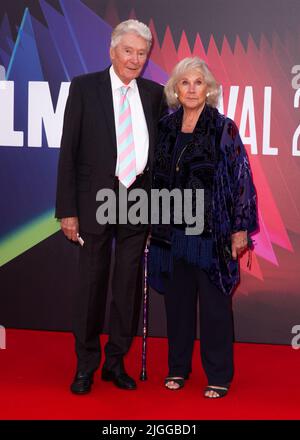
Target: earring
[207, 94]
[175, 94]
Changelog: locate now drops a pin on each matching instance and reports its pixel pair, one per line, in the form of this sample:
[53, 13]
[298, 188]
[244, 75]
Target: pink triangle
[198, 50]
[183, 50]
[168, 51]
[155, 54]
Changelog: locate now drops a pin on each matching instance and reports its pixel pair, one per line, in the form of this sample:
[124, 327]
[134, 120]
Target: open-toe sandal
[221, 391]
[177, 380]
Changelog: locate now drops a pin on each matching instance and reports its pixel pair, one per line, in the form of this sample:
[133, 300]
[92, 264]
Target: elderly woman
[198, 148]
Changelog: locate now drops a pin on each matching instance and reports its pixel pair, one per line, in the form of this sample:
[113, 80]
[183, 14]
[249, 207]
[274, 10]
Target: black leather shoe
[121, 380]
[82, 383]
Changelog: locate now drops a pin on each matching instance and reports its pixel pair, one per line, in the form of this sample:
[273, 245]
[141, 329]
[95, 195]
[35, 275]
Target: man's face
[129, 56]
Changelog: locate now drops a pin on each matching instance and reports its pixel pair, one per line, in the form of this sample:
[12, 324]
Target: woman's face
[191, 90]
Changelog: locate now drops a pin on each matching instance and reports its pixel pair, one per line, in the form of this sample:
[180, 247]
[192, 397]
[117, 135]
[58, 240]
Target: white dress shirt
[139, 125]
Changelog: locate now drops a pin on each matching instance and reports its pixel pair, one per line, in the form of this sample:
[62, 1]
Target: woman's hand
[239, 243]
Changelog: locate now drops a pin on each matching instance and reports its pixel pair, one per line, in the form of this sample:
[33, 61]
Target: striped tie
[126, 151]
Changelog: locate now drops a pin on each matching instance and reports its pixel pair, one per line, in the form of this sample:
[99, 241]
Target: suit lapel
[146, 103]
[106, 100]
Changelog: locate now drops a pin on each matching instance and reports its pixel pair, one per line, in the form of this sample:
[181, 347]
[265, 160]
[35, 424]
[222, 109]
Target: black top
[193, 168]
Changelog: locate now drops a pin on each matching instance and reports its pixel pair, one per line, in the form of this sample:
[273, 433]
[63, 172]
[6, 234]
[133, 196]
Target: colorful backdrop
[253, 49]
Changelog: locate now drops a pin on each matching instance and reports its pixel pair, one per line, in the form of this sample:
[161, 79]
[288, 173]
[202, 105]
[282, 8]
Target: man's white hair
[131, 26]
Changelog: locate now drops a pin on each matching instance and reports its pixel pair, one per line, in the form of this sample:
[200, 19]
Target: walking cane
[143, 375]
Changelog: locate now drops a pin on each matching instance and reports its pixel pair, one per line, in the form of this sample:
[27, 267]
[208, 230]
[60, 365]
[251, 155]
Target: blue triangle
[91, 35]
[24, 64]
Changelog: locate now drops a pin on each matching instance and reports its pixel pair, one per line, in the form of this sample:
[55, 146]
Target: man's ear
[112, 53]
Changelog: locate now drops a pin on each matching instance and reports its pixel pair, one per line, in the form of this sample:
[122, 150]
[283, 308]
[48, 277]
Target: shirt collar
[116, 83]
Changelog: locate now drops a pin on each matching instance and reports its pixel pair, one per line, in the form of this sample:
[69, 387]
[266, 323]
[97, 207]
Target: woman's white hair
[188, 65]
[131, 26]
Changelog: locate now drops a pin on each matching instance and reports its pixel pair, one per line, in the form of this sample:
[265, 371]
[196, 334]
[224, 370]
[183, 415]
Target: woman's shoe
[179, 381]
[220, 391]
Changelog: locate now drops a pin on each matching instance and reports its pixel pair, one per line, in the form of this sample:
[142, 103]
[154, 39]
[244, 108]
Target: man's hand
[70, 227]
[239, 243]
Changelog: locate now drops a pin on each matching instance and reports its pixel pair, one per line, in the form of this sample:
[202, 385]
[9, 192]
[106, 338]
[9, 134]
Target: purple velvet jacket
[233, 198]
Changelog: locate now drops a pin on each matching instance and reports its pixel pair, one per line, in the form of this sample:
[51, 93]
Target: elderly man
[108, 141]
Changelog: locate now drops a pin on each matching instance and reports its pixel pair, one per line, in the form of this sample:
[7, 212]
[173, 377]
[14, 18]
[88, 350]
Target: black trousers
[90, 298]
[216, 324]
